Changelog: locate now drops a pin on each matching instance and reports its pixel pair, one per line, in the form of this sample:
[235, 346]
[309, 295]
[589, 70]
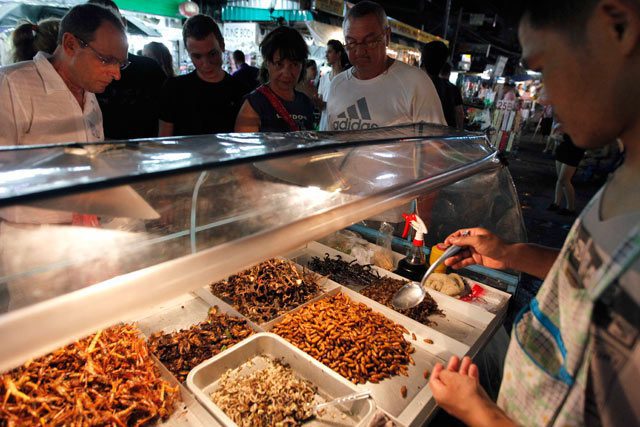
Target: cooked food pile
[350, 338]
[272, 396]
[383, 290]
[183, 350]
[267, 290]
[345, 273]
[449, 284]
[105, 379]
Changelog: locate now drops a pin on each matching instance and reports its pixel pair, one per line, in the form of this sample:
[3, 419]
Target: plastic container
[203, 379]
[436, 252]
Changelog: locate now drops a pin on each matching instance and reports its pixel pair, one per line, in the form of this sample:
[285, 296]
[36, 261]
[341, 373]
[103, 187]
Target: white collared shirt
[37, 107]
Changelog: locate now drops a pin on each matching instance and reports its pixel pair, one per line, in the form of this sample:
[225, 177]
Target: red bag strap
[280, 109]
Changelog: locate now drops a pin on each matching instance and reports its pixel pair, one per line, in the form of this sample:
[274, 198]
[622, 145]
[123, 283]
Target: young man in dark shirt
[130, 105]
[206, 100]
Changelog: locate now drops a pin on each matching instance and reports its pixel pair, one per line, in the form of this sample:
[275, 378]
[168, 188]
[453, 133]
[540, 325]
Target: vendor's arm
[248, 119]
[485, 248]
[457, 390]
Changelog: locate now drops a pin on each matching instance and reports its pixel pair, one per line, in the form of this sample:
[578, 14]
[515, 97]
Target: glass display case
[98, 234]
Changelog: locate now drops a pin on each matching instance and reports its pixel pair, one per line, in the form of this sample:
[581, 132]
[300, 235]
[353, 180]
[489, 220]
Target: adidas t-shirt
[402, 94]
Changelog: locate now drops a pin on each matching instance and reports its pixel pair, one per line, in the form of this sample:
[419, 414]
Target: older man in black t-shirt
[206, 100]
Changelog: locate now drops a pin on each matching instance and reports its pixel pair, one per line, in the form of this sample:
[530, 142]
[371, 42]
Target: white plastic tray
[204, 379]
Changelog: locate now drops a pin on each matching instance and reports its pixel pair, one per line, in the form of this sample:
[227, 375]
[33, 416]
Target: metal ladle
[413, 293]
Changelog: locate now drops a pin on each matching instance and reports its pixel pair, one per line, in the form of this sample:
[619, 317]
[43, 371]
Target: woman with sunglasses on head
[276, 106]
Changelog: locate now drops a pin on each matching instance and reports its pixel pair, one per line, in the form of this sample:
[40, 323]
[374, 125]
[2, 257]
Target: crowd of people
[574, 351]
[119, 95]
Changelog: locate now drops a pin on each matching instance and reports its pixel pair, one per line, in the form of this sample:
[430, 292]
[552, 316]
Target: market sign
[406, 30]
[500, 64]
[239, 35]
[335, 7]
[248, 14]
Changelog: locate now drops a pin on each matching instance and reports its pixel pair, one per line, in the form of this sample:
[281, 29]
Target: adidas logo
[354, 117]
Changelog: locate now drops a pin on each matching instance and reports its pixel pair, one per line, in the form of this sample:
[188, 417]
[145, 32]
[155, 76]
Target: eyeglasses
[367, 44]
[212, 54]
[106, 60]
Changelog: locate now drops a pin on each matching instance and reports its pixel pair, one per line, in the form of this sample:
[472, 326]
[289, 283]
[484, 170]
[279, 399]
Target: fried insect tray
[324, 286]
[204, 379]
[418, 404]
[463, 322]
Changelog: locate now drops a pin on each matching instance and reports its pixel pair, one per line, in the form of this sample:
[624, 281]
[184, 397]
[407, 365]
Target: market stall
[204, 253]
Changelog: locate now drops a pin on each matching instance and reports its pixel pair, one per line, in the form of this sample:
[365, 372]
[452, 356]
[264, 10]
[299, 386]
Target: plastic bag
[383, 255]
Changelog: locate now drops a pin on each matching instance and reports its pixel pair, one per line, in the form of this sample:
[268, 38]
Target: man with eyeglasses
[208, 99]
[377, 90]
[51, 98]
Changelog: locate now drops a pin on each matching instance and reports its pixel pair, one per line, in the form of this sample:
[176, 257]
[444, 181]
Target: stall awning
[235, 13]
[167, 8]
[322, 33]
[11, 14]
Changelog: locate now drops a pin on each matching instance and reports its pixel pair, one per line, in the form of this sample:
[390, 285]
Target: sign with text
[500, 64]
[506, 105]
[239, 35]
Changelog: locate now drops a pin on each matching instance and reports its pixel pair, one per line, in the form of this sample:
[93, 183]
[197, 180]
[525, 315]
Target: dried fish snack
[343, 272]
[183, 350]
[385, 288]
[271, 396]
[350, 338]
[105, 379]
[267, 290]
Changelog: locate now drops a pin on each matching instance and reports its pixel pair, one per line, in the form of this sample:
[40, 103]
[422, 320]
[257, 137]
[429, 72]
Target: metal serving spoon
[413, 293]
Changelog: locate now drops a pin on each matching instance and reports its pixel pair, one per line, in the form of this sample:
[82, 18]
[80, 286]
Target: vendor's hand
[480, 247]
[457, 389]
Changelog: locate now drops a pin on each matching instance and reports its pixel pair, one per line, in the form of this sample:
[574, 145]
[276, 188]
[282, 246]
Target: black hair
[160, 53]
[446, 68]
[288, 42]
[238, 56]
[310, 63]
[199, 27]
[339, 47]
[560, 14]
[112, 6]
[84, 19]
[434, 56]
[365, 8]
[29, 38]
